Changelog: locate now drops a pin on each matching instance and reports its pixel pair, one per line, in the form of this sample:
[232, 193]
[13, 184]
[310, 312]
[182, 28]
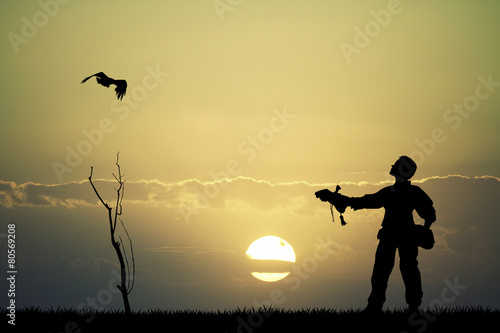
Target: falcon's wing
[100, 75]
[104, 80]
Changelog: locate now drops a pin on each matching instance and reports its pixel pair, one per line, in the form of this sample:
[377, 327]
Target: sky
[236, 113]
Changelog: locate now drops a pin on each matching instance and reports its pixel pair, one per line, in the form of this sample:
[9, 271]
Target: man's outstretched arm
[340, 201]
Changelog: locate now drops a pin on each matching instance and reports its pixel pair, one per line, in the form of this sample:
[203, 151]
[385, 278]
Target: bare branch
[127, 265]
[119, 192]
[127, 280]
[105, 205]
[95, 190]
[129, 288]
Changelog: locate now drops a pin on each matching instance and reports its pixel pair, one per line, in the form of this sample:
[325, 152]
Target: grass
[465, 319]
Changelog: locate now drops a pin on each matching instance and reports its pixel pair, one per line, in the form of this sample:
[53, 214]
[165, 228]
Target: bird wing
[100, 75]
[121, 88]
[85, 80]
[104, 80]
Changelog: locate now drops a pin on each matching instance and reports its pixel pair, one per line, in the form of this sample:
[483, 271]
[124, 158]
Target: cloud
[461, 202]
[209, 252]
[184, 249]
[31, 194]
[240, 194]
[68, 267]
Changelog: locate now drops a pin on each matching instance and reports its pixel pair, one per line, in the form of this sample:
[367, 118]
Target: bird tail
[121, 88]
[120, 92]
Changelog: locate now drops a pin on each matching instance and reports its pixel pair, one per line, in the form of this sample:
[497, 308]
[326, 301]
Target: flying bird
[104, 80]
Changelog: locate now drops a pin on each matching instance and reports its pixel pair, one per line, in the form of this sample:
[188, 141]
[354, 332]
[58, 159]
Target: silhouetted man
[398, 231]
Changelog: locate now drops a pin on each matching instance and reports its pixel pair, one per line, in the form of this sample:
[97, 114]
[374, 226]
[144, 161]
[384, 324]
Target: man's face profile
[402, 168]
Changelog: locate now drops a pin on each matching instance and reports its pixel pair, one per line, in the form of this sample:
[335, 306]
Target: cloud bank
[190, 239]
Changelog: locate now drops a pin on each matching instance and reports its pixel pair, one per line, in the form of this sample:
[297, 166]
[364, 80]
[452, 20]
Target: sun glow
[269, 277]
[271, 248]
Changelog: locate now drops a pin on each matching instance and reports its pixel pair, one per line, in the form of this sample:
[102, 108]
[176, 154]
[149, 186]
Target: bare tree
[127, 280]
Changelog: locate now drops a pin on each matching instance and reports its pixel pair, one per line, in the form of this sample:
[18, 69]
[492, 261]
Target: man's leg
[382, 268]
[411, 274]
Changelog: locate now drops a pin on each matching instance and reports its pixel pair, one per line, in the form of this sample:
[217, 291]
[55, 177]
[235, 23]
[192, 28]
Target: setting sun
[271, 248]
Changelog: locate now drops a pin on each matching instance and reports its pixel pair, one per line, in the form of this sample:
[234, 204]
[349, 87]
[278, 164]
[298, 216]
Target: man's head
[404, 168]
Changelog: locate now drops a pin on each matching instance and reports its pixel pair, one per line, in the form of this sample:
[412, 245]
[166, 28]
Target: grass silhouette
[247, 320]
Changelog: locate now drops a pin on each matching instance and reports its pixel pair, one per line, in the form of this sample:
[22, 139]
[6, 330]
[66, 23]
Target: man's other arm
[425, 208]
